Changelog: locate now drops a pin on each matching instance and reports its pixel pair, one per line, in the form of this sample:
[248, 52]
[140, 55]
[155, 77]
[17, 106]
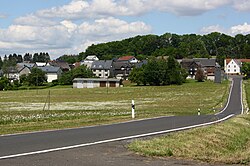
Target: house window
[234, 66]
[228, 70]
[234, 70]
[228, 66]
[100, 75]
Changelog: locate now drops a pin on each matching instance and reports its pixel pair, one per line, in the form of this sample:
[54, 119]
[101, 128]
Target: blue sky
[70, 26]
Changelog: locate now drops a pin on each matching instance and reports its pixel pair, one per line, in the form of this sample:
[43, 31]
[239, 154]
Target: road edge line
[115, 139]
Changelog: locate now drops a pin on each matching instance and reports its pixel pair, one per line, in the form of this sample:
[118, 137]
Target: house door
[112, 84]
[90, 84]
[102, 84]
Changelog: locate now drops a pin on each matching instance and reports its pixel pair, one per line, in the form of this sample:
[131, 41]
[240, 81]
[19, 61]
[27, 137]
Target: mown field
[227, 142]
[22, 111]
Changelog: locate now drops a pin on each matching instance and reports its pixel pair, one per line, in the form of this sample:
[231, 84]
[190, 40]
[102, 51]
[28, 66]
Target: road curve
[42, 142]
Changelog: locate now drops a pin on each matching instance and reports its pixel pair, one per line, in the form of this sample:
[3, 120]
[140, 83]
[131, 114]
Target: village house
[89, 60]
[95, 82]
[233, 66]
[208, 65]
[64, 66]
[102, 68]
[52, 73]
[129, 59]
[14, 73]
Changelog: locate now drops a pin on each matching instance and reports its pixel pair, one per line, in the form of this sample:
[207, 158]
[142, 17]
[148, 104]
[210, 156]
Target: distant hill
[180, 46]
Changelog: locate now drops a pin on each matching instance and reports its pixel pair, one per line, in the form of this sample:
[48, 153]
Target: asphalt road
[13, 146]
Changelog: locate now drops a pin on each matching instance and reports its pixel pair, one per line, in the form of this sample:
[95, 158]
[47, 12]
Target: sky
[70, 26]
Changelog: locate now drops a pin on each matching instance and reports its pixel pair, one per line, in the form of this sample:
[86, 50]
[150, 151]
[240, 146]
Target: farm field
[35, 110]
[226, 142]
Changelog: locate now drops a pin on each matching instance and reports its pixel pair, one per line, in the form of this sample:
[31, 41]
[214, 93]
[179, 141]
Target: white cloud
[79, 9]
[242, 29]
[234, 30]
[33, 20]
[242, 5]
[2, 16]
[212, 28]
[65, 36]
[187, 8]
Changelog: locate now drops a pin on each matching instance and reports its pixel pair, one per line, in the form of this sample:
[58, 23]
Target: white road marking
[229, 98]
[113, 140]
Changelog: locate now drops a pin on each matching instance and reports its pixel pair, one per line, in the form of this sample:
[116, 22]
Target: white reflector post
[133, 109]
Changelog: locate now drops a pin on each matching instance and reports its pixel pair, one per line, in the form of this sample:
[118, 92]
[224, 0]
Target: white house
[89, 60]
[52, 73]
[233, 66]
[130, 59]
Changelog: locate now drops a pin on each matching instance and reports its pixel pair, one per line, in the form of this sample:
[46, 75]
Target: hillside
[180, 46]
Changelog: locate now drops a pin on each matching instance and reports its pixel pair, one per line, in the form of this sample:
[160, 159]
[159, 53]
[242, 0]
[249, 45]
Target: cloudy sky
[70, 26]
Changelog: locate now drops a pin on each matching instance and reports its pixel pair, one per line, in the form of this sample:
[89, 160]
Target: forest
[215, 44]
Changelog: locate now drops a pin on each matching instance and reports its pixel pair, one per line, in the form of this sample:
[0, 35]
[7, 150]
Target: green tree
[82, 72]
[4, 83]
[246, 70]
[79, 72]
[175, 74]
[36, 77]
[199, 76]
[138, 76]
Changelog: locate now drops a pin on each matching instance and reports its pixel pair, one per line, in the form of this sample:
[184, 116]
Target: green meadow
[65, 107]
[227, 142]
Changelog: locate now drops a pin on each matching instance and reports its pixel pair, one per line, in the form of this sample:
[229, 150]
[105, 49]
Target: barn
[95, 82]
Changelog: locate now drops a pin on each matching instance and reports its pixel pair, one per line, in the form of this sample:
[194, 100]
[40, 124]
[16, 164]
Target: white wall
[51, 77]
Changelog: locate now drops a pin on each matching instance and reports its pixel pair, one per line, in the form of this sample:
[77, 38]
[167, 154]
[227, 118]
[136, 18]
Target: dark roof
[29, 65]
[206, 62]
[21, 66]
[61, 64]
[102, 64]
[189, 63]
[49, 69]
[119, 65]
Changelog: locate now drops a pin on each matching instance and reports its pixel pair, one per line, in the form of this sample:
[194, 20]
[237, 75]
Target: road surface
[12, 146]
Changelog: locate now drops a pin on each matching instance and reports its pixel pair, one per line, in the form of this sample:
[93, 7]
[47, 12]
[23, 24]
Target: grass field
[227, 142]
[22, 111]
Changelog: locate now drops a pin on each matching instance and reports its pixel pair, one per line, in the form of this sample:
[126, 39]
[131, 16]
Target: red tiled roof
[126, 58]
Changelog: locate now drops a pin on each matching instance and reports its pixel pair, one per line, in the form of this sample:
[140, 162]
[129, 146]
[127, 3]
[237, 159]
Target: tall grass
[23, 110]
[227, 142]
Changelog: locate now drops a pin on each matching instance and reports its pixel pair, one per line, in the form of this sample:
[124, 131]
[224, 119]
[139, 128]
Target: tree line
[159, 72]
[179, 46]
[13, 59]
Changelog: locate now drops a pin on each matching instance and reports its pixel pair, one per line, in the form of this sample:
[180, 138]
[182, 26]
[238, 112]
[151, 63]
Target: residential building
[233, 66]
[52, 73]
[24, 68]
[102, 68]
[42, 64]
[95, 82]
[208, 65]
[122, 69]
[89, 60]
[64, 66]
[129, 59]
